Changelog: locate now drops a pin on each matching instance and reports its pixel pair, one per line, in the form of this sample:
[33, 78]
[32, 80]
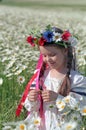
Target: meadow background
[18, 59]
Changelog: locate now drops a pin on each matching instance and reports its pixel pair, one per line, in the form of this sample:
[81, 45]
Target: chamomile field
[18, 59]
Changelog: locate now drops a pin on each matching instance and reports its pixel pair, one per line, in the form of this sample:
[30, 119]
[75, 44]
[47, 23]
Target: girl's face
[53, 56]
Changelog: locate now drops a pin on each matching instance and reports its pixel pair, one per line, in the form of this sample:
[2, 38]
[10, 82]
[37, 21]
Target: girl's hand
[49, 95]
[33, 95]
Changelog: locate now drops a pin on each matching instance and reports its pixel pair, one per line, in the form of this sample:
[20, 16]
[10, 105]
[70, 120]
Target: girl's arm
[32, 103]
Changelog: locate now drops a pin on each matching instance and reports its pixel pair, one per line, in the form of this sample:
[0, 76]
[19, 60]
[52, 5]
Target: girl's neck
[58, 73]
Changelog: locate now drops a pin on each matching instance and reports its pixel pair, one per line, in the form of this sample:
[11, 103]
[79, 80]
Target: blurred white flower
[83, 111]
[67, 99]
[59, 39]
[60, 105]
[7, 128]
[9, 75]
[21, 79]
[23, 67]
[17, 48]
[1, 81]
[83, 128]
[4, 59]
[18, 72]
[21, 127]
[37, 121]
[69, 126]
[81, 61]
[72, 102]
[76, 116]
[14, 68]
[10, 64]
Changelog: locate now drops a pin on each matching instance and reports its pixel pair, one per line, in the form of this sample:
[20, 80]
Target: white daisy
[16, 48]
[74, 104]
[1, 81]
[83, 128]
[60, 105]
[83, 111]
[67, 99]
[7, 128]
[58, 40]
[18, 72]
[76, 116]
[9, 75]
[21, 126]
[37, 121]
[21, 79]
[70, 126]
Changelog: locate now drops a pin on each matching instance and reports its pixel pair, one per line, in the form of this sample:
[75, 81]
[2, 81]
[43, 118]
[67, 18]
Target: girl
[59, 100]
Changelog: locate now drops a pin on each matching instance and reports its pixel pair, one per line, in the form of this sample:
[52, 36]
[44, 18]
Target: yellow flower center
[65, 113]
[67, 100]
[62, 106]
[36, 122]
[69, 127]
[22, 127]
[79, 50]
[59, 102]
[59, 124]
[56, 37]
[84, 110]
[21, 79]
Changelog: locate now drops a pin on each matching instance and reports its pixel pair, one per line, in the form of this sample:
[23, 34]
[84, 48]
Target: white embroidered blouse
[59, 114]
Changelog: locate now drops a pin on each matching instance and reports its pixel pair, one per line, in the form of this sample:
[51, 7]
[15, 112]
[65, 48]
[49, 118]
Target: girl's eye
[44, 55]
[52, 55]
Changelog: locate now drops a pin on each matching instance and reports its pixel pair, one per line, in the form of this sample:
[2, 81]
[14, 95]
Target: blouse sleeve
[78, 85]
[31, 106]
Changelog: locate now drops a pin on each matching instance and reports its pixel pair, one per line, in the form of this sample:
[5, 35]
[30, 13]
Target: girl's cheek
[44, 59]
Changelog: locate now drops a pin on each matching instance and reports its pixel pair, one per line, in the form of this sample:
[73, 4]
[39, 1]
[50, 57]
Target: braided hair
[66, 85]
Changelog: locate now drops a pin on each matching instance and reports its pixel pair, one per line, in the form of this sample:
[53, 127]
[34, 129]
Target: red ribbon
[36, 75]
[20, 106]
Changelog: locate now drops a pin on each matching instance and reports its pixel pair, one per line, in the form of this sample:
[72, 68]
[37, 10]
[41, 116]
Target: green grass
[46, 4]
[10, 94]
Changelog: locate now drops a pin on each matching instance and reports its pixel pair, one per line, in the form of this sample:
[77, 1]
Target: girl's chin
[53, 67]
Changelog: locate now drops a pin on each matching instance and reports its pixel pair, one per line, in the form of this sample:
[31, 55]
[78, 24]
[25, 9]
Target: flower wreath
[49, 35]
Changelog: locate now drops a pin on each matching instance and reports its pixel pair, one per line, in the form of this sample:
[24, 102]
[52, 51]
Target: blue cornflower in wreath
[48, 35]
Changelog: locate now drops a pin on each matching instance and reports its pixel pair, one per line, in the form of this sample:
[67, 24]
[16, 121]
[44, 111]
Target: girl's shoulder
[77, 77]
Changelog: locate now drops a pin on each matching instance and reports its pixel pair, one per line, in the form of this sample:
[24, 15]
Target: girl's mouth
[52, 63]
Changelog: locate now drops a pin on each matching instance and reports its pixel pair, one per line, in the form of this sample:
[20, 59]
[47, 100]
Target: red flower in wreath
[42, 41]
[31, 40]
[66, 35]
